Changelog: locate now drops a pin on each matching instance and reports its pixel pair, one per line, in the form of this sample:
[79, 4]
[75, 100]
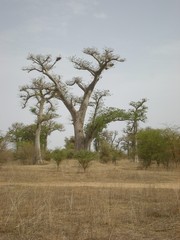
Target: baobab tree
[44, 108]
[137, 114]
[101, 116]
[77, 106]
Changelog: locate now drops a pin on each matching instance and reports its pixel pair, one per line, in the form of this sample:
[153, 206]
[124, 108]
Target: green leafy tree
[100, 118]
[23, 136]
[153, 147]
[47, 128]
[100, 122]
[16, 134]
[172, 135]
[76, 105]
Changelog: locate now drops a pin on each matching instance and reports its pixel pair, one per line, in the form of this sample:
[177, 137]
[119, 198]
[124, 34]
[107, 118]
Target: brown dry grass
[106, 203]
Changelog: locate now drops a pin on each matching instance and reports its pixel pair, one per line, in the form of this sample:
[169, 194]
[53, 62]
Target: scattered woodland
[91, 139]
[100, 185]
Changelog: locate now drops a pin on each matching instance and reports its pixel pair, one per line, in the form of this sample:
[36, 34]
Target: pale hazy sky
[145, 32]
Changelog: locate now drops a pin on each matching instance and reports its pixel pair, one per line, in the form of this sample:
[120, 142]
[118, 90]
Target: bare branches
[42, 93]
[103, 61]
[97, 102]
[41, 63]
[82, 64]
[107, 58]
[78, 81]
[100, 62]
[44, 65]
[37, 90]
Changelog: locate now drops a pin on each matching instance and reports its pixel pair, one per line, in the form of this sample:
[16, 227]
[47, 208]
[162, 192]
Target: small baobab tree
[137, 114]
[44, 108]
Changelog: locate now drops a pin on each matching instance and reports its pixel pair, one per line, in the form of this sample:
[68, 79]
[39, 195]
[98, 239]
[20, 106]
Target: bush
[58, 155]
[115, 155]
[70, 153]
[25, 153]
[105, 153]
[153, 146]
[5, 154]
[47, 156]
[84, 158]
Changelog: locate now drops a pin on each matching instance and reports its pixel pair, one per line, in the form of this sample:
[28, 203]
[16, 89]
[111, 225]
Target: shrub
[115, 156]
[70, 153]
[58, 155]
[105, 152]
[47, 155]
[5, 153]
[5, 156]
[84, 158]
[153, 146]
[25, 153]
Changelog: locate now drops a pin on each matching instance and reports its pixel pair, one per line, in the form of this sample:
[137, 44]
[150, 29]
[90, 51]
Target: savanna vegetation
[106, 202]
[102, 184]
[42, 94]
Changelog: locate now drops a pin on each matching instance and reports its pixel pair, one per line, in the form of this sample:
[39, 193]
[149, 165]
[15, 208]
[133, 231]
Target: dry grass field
[107, 202]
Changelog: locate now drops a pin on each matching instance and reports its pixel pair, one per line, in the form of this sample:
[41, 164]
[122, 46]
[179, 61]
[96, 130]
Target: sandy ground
[95, 185]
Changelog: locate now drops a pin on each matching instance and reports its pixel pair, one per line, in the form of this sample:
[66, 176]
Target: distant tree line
[154, 147]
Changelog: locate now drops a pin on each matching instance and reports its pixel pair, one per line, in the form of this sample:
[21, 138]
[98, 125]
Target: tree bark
[79, 134]
[38, 157]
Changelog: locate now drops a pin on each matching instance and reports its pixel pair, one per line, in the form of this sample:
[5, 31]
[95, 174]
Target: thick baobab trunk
[38, 157]
[79, 135]
[80, 138]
